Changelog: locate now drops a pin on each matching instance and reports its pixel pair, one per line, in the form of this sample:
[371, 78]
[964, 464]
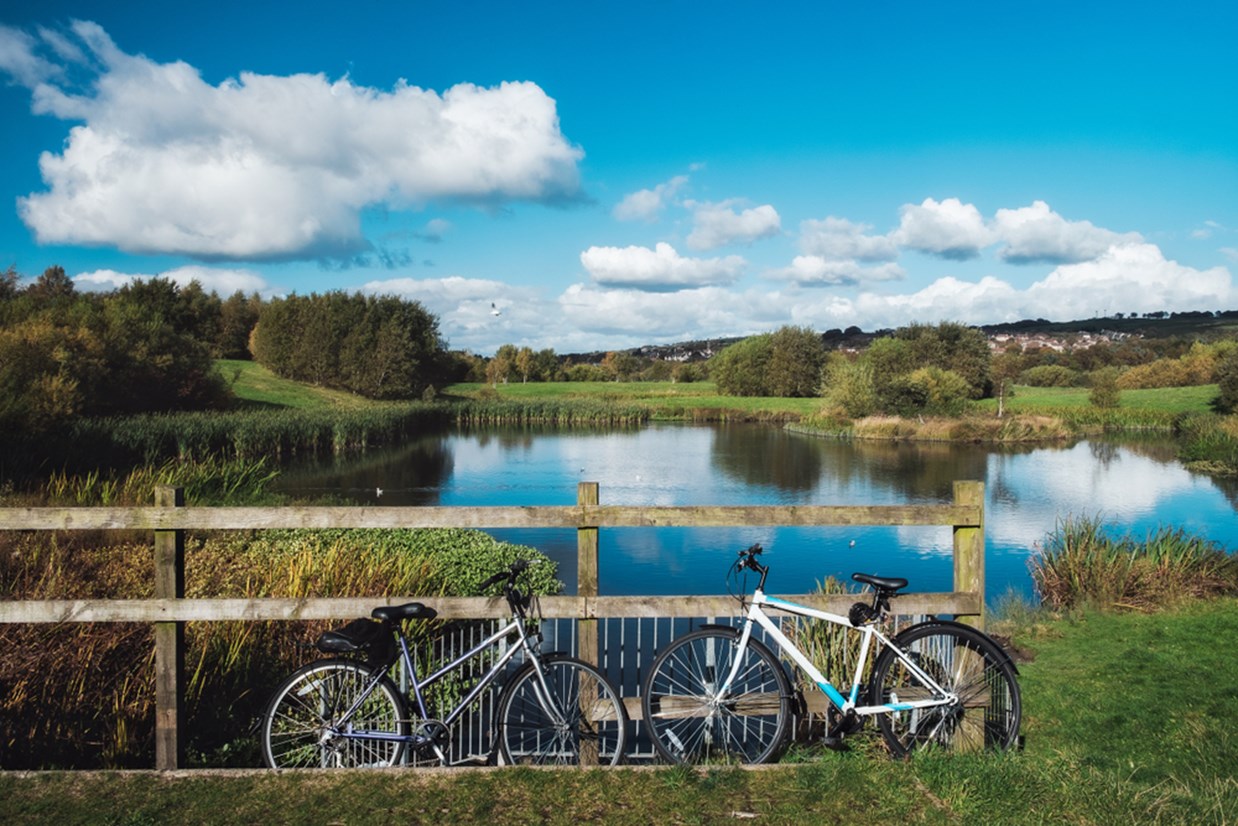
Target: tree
[740, 369]
[1227, 382]
[525, 363]
[1105, 393]
[502, 365]
[849, 386]
[796, 356]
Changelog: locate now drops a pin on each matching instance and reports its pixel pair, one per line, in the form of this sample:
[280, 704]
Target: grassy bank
[1119, 727]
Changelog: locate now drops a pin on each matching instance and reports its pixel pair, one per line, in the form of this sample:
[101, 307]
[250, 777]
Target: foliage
[379, 347]
[850, 386]
[796, 358]
[741, 369]
[1051, 375]
[1227, 382]
[1082, 564]
[786, 363]
[1105, 393]
[139, 349]
[1209, 443]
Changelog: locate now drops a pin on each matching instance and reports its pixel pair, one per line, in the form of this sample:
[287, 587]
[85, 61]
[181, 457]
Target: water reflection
[1136, 485]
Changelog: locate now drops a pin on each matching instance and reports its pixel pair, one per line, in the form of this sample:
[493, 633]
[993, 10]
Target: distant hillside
[1202, 324]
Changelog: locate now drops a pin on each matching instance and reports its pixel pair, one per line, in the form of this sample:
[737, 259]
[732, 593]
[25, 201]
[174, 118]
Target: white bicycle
[718, 694]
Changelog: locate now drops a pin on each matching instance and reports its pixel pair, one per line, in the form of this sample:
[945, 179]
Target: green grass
[256, 386]
[1128, 718]
[1165, 399]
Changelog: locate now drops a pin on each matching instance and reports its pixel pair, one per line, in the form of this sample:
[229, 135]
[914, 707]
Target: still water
[1133, 485]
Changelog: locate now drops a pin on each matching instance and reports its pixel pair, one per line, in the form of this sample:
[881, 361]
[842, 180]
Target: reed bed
[276, 435]
[1083, 565]
[1210, 444]
[574, 413]
[82, 696]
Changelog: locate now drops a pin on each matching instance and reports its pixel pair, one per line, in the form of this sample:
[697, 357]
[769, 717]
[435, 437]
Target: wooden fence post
[969, 548]
[587, 576]
[169, 637]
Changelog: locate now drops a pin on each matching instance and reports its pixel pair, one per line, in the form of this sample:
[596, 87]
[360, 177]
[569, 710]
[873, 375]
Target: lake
[1134, 484]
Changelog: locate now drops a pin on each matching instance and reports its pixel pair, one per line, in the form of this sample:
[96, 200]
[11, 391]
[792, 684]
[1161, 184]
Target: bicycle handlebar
[513, 571]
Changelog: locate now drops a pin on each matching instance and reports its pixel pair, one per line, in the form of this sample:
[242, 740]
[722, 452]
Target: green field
[1166, 399]
[1128, 718]
[256, 386]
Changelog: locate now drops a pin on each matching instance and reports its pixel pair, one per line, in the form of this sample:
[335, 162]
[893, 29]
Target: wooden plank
[581, 516]
[169, 638]
[969, 548]
[561, 607]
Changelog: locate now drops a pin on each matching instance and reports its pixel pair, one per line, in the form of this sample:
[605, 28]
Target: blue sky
[609, 175]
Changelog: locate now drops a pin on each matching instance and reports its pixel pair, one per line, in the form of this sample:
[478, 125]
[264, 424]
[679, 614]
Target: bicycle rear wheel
[304, 722]
[581, 721]
[691, 722]
[963, 661]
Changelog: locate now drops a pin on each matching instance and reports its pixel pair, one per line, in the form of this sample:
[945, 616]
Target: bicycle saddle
[409, 610]
[881, 583]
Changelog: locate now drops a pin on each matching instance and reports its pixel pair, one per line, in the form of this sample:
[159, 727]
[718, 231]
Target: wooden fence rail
[169, 609]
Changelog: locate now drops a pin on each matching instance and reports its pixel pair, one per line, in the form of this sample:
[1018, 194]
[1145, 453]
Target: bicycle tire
[303, 713]
[964, 661]
[689, 723]
[594, 729]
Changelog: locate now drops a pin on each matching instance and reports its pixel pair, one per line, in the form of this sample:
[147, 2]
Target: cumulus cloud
[267, 167]
[1037, 234]
[949, 229]
[719, 225]
[839, 239]
[646, 204]
[815, 271]
[223, 282]
[659, 269]
[695, 313]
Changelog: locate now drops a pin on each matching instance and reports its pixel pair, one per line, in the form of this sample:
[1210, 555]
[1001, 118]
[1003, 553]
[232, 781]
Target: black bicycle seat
[409, 610]
[881, 583]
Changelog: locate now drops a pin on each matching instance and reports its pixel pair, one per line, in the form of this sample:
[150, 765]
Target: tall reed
[1083, 564]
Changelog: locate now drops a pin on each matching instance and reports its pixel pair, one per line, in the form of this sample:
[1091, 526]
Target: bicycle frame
[845, 704]
[417, 686]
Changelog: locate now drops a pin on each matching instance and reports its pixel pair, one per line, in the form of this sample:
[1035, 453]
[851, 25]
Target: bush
[1105, 393]
[1051, 375]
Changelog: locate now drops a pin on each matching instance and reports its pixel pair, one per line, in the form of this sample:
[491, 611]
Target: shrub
[1050, 375]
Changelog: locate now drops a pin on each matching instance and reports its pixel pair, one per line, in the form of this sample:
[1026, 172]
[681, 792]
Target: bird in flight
[495, 310]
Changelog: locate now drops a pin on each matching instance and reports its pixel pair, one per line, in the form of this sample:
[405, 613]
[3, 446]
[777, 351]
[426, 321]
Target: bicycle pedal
[835, 743]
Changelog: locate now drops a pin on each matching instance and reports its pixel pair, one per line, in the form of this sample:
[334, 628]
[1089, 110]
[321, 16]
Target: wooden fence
[169, 609]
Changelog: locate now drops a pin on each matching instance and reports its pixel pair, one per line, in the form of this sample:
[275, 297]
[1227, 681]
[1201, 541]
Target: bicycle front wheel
[566, 714]
[307, 723]
[692, 721]
[964, 662]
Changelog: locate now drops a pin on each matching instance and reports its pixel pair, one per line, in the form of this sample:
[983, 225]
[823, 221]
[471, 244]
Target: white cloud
[687, 314]
[1037, 234]
[658, 269]
[223, 282]
[839, 239]
[647, 204]
[266, 167]
[719, 225]
[949, 229]
[1129, 278]
[813, 270]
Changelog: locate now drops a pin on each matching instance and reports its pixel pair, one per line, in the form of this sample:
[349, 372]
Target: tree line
[152, 345]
